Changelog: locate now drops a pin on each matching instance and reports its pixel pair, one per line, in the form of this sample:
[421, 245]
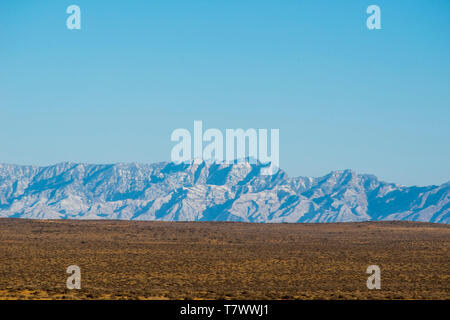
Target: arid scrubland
[216, 260]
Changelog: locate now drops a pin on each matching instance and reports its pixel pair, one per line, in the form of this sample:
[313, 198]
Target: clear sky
[342, 96]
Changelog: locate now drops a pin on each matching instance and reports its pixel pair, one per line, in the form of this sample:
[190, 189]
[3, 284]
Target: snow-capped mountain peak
[205, 191]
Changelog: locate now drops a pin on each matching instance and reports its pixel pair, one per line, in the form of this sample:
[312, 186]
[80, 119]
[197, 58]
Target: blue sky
[342, 96]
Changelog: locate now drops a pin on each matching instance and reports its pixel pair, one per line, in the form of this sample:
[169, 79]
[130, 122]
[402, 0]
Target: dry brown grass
[215, 260]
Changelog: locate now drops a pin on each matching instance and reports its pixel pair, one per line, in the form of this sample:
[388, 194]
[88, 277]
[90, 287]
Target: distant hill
[210, 192]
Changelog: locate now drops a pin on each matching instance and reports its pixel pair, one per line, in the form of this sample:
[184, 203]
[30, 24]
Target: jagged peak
[145, 191]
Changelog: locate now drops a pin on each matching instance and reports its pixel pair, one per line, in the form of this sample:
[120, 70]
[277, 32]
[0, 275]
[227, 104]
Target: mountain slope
[202, 191]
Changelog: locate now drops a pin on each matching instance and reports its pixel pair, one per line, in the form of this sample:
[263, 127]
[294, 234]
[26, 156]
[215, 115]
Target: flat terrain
[215, 260]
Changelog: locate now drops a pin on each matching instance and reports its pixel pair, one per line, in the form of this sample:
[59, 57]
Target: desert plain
[222, 260]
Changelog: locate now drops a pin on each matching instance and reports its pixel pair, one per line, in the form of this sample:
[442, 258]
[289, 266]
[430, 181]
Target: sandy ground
[216, 260]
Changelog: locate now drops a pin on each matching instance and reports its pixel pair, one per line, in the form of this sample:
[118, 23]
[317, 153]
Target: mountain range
[201, 191]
